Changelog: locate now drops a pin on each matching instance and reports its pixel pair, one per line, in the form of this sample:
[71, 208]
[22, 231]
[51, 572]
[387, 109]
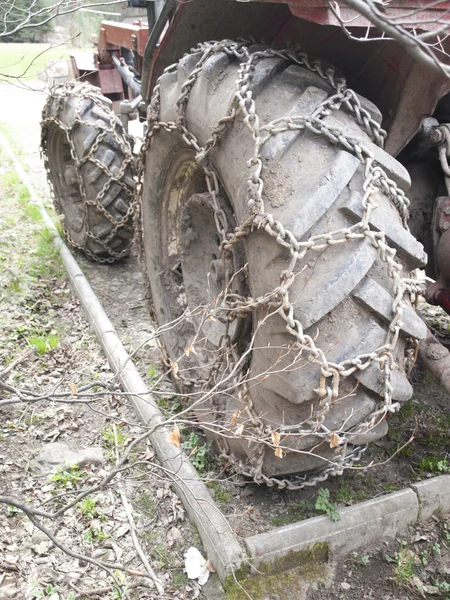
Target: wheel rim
[67, 191]
[192, 244]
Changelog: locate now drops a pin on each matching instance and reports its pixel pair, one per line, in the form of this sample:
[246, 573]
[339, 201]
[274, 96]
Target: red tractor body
[380, 69]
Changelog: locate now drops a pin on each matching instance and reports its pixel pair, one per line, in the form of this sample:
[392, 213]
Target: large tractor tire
[89, 166]
[342, 295]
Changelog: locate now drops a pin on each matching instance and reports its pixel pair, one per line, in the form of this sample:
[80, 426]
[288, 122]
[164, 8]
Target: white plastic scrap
[195, 566]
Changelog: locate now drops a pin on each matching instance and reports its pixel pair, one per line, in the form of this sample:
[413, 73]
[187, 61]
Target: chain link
[376, 180]
[83, 94]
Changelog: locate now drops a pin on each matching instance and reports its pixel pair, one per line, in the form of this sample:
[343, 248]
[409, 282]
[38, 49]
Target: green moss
[220, 493]
[435, 440]
[297, 512]
[283, 576]
[428, 378]
[407, 410]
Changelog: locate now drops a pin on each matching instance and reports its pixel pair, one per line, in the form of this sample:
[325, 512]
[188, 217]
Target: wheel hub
[208, 273]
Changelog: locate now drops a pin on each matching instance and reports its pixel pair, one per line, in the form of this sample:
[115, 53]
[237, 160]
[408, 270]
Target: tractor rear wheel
[89, 166]
[342, 295]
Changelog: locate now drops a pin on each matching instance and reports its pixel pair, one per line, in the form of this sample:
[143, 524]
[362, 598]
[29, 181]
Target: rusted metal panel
[319, 11]
[417, 96]
[123, 35]
[381, 70]
[110, 81]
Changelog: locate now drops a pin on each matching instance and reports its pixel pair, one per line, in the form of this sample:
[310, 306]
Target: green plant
[89, 510]
[109, 437]
[95, 534]
[44, 343]
[149, 537]
[171, 405]
[407, 410]
[68, 478]
[302, 510]
[161, 555]
[199, 452]
[179, 580]
[12, 511]
[152, 374]
[324, 505]
[434, 464]
[344, 494]
[427, 378]
[404, 562]
[119, 588]
[360, 559]
[436, 547]
[389, 487]
[40, 592]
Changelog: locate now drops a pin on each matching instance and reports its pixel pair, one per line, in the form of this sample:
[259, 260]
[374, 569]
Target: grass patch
[28, 60]
[147, 504]
[297, 512]
[30, 270]
[404, 563]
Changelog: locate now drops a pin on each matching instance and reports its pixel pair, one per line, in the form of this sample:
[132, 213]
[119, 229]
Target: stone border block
[359, 526]
[433, 495]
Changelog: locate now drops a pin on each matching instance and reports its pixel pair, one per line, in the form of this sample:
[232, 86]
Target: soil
[415, 566]
[397, 459]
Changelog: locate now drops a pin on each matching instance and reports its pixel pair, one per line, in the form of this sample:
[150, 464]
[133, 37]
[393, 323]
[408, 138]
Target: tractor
[290, 188]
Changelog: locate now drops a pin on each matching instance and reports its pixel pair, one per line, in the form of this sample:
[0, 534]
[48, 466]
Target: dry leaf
[174, 437]
[275, 438]
[73, 388]
[189, 350]
[335, 440]
[175, 368]
[210, 566]
[239, 430]
[278, 452]
[235, 416]
[174, 536]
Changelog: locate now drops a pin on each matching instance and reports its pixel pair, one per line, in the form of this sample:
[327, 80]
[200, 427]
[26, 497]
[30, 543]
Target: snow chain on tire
[97, 179]
[266, 435]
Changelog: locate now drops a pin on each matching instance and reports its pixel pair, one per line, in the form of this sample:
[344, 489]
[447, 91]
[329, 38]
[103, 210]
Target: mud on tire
[342, 295]
[89, 166]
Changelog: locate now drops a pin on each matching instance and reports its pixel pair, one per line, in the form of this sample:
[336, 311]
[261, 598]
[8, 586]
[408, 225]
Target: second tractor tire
[89, 165]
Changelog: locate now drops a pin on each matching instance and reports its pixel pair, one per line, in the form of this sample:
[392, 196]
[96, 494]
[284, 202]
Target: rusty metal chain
[376, 180]
[82, 92]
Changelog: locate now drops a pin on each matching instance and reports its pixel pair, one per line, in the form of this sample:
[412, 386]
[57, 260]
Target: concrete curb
[367, 522]
[433, 495]
[217, 537]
